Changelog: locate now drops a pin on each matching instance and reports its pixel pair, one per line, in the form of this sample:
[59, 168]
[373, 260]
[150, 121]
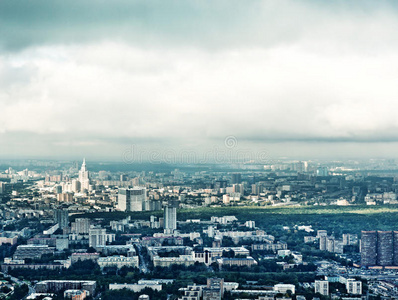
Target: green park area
[337, 219]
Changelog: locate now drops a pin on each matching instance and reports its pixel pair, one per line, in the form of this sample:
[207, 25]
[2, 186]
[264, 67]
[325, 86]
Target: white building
[84, 177]
[132, 199]
[322, 287]
[80, 226]
[118, 261]
[98, 237]
[283, 288]
[164, 262]
[354, 287]
[136, 287]
[170, 217]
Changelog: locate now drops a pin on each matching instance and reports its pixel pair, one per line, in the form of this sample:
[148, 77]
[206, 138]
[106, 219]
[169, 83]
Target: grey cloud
[294, 77]
[196, 23]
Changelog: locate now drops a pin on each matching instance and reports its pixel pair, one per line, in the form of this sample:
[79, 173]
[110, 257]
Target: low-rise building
[118, 261]
[32, 251]
[75, 257]
[59, 285]
[283, 288]
[237, 262]
[135, 287]
[185, 260]
[75, 294]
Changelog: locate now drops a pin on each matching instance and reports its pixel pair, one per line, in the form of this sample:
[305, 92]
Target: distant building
[76, 257]
[64, 197]
[368, 248]
[76, 294]
[135, 287]
[6, 238]
[132, 199]
[214, 289]
[354, 287]
[283, 288]
[192, 292]
[99, 238]
[322, 287]
[170, 217]
[350, 239]
[61, 217]
[32, 251]
[84, 177]
[379, 248]
[118, 261]
[2, 187]
[80, 226]
[237, 262]
[384, 248]
[165, 262]
[59, 285]
[236, 178]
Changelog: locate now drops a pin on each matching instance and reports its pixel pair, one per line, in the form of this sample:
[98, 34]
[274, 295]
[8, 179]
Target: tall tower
[368, 248]
[61, 217]
[236, 178]
[170, 216]
[395, 255]
[84, 177]
[384, 248]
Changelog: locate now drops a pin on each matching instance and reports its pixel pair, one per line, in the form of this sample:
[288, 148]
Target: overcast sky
[302, 79]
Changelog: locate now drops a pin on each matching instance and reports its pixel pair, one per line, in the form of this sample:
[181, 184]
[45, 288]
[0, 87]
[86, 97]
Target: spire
[84, 165]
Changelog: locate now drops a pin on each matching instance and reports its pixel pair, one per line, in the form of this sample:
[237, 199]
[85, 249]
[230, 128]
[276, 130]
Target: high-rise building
[214, 289]
[81, 226]
[322, 287]
[132, 199]
[354, 286]
[76, 186]
[2, 187]
[58, 189]
[384, 248]
[255, 189]
[65, 197]
[368, 248]
[170, 216]
[61, 217]
[395, 253]
[220, 184]
[323, 242]
[236, 178]
[322, 171]
[320, 233]
[84, 177]
[98, 237]
[238, 188]
[350, 239]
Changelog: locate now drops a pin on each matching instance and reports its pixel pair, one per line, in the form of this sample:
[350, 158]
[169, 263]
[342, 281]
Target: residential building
[322, 287]
[170, 217]
[118, 261]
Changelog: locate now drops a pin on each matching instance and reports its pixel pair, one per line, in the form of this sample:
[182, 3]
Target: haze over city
[301, 79]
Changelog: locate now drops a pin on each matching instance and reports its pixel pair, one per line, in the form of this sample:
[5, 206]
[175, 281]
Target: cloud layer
[89, 78]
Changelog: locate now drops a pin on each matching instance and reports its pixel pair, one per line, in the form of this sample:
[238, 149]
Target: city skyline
[300, 79]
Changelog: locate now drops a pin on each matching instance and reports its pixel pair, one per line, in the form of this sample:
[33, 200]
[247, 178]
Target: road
[19, 282]
[143, 264]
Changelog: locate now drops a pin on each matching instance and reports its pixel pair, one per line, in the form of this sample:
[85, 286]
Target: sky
[102, 79]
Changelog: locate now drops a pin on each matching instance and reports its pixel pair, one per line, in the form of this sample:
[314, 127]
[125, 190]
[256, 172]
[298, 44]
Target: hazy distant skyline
[294, 78]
